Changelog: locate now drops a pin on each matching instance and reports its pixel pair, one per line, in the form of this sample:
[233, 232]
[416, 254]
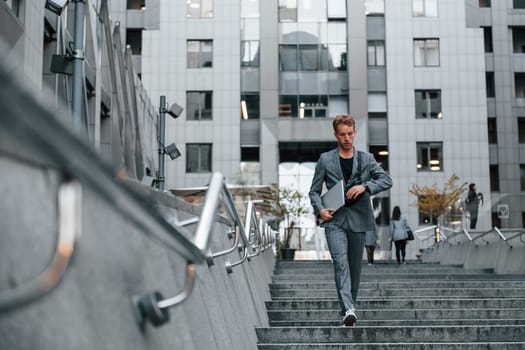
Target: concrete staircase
[413, 306]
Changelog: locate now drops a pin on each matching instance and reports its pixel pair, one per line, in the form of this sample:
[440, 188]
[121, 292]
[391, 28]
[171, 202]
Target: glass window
[250, 106]
[14, 5]
[336, 8]
[199, 8]
[522, 177]
[375, 7]
[311, 11]
[309, 58]
[198, 157]
[288, 33]
[377, 102]
[424, 8]
[484, 3]
[519, 85]
[199, 53]
[429, 156]
[336, 57]
[487, 38]
[521, 129]
[249, 154]
[425, 219]
[489, 84]
[493, 131]
[336, 32]
[250, 9]
[494, 177]
[249, 53]
[426, 52]
[288, 10]
[519, 4]
[250, 29]
[288, 57]
[518, 39]
[136, 4]
[376, 53]
[199, 105]
[288, 106]
[313, 106]
[134, 40]
[428, 104]
[338, 104]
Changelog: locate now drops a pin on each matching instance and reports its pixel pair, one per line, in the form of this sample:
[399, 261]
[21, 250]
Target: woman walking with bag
[398, 234]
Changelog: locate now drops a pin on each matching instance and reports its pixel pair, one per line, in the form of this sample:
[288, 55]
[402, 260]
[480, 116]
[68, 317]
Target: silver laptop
[335, 197]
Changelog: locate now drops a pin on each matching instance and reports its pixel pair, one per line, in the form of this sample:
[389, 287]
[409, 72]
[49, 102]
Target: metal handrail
[483, 234]
[69, 226]
[50, 140]
[419, 231]
[76, 158]
[507, 239]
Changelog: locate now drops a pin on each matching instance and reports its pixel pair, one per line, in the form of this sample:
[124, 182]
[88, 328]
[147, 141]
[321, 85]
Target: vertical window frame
[201, 109]
[426, 47]
[203, 165]
[199, 55]
[427, 100]
[426, 156]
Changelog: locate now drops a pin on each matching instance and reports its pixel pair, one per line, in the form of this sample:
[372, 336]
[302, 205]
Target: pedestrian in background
[370, 245]
[473, 200]
[398, 234]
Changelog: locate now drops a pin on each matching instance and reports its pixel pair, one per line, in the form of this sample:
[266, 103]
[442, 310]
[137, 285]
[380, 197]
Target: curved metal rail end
[69, 226]
[153, 307]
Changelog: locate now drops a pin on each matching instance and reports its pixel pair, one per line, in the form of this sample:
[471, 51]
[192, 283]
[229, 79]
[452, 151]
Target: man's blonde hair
[345, 119]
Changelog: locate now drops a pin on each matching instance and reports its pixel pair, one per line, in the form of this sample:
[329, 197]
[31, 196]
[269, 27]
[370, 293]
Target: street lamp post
[174, 111]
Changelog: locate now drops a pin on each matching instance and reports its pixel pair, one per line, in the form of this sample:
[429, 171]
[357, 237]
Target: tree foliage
[435, 201]
[288, 204]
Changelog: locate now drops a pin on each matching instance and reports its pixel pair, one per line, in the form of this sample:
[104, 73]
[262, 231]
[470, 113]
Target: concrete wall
[486, 252]
[91, 308]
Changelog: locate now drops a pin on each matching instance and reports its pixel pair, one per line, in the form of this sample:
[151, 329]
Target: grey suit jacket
[360, 216]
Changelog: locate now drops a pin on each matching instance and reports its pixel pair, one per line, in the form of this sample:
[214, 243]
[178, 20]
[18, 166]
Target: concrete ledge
[487, 253]
[92, 306]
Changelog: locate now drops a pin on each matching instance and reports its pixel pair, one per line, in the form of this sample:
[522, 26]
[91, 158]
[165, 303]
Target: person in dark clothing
[398, 234]
[473, 200]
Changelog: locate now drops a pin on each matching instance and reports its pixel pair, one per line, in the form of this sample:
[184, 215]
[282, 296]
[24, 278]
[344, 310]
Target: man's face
[345, 136]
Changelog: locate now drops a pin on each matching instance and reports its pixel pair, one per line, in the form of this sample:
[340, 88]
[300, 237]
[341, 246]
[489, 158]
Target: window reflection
[288, 10]
[311, 11]
[336, 8]
[199, 8]
[250, 53]
[250, 105]
[250, 9]
[312, 106]
[375, 7]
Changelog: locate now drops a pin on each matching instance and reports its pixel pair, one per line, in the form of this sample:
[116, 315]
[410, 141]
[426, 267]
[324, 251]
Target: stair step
[436, 334]
[399, 314]
[413, 306]
[403, 322]
[407, 276]
[403, 285]
[412, 292]
[377, 304]
[395, 346]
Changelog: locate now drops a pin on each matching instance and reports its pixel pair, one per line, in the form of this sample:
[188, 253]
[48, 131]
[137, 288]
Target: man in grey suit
[345, 228]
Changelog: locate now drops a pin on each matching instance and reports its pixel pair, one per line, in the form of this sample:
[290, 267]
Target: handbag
[410, 234]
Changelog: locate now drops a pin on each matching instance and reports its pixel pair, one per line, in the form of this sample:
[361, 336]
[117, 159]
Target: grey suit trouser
[346, 248]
